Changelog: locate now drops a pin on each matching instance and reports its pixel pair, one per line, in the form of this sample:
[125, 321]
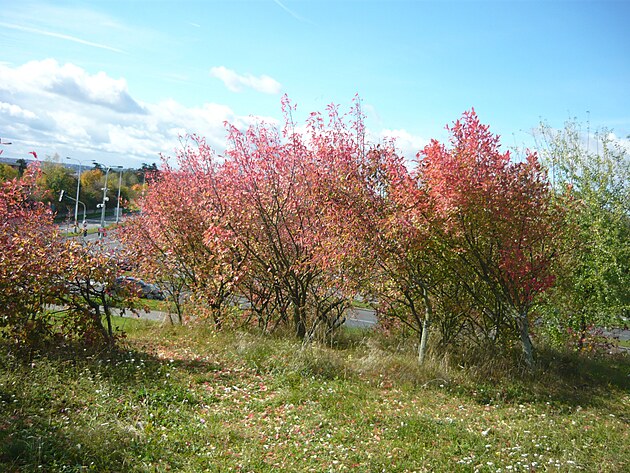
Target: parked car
[146, 290]
[122, 259]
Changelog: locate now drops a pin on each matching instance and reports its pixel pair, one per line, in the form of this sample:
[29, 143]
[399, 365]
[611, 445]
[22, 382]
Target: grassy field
[187, 399]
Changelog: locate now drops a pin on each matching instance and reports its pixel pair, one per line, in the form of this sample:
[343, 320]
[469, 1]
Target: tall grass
[175, 398]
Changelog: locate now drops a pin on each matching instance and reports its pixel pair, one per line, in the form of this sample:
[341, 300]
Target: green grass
[91, 231]
[187, 399]
[159, 306]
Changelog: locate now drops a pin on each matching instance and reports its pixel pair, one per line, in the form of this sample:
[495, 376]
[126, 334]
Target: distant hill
[13, 161]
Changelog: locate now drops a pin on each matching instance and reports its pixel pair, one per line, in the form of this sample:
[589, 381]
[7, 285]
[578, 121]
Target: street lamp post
[102, 205]
[105, 198]
[84, 213]
[76, 205]
[118, 199]
[72, 198]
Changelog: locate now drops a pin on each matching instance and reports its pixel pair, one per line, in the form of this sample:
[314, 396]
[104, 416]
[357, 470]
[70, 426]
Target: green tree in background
[7, 173]
[594, 289]
[54, 178]
[22, 165]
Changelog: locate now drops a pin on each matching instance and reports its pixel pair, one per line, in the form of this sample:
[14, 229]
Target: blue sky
[119, 81]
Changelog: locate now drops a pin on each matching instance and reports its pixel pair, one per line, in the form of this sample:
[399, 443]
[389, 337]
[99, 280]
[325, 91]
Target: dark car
[146, 290]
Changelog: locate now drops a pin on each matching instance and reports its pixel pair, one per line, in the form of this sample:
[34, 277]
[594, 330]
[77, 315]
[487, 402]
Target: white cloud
[64, 109]
[68, 81]
[16, 111]
[237, 82]
[623, 143]
[407, 144]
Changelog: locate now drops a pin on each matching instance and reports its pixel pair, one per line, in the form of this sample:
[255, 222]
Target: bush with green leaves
[593, 288]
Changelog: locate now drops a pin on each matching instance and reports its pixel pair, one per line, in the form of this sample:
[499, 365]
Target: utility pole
[105, 198]
[102, 204]
[76, 205]
[118, 199]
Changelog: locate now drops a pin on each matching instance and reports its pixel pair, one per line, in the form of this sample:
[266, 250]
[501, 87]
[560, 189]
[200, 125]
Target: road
[622, 334]
[360, 318]
[93, 224]
[356, 318]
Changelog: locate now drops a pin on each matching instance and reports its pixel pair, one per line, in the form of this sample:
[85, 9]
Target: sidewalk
[153, 315]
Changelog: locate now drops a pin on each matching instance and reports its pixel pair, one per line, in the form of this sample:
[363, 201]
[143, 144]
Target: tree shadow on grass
[74, 408]
[567, 380]
[581, 380]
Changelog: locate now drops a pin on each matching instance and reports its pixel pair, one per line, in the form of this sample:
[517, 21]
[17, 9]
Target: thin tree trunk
[526, 341]
[217, 316]
[298, 320]
[108, 318]
[426, 323]
[582, 333]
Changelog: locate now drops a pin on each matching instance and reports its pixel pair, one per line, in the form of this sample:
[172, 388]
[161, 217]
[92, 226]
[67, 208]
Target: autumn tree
[91, 187]
[92, 287]
[391, 244]
[167, 238]
[465, 241]
[498, 223]
[39, 268]
[27, 237]
[260, 222]
[287, 196]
